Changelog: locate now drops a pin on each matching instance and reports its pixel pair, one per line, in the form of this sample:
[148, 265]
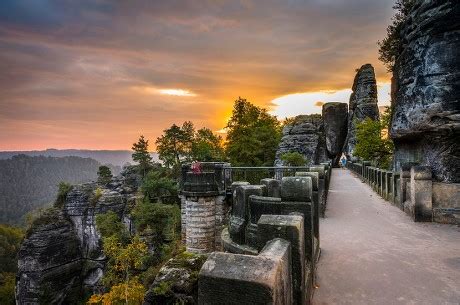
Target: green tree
[293, 159]
[175, 145]
[157, 184]
[124, 259]
[104, 175]
[253, 135]
[207, 146]
[372, 141]
[7, 283]
[109, 224]
[390, 46]
[141, 154]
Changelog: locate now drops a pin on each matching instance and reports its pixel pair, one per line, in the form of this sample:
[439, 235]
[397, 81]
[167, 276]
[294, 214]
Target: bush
[7, 283]
[10, 241]
[110, 224]
[293, 159]
[63, 189]
[157, 184]
[95, 196]
[162, 219]
[372, 142]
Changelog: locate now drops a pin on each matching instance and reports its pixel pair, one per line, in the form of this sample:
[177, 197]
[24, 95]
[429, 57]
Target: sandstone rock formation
[306, 136]
[426, 90]
[335, 116]
[61, 256]
[362, 105]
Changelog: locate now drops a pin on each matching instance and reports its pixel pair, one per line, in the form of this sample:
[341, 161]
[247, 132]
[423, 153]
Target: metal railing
[253, 175]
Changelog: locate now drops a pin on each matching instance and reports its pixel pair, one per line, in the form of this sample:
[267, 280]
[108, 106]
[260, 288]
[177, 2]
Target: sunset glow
[97, 75]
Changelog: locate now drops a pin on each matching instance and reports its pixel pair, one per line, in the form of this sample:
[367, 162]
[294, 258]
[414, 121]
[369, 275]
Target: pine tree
[104, 175]
[141, 154]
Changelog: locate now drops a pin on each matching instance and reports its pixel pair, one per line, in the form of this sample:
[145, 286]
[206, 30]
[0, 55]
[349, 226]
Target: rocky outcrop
[61, 257]
[426, 90]
[335, 117]
[177, 281]
[362, 105]
[306, 136]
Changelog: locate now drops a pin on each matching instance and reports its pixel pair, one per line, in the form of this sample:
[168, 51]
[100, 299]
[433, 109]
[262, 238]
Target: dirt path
[372, 253]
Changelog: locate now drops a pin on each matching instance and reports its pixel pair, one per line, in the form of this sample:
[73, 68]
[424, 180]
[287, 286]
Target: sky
[95, 74]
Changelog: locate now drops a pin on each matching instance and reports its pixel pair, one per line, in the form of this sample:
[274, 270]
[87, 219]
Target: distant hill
[27, 183]
[115, 157]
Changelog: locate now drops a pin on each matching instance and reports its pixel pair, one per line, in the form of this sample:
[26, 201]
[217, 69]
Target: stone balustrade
[413, 190]
[271, 242]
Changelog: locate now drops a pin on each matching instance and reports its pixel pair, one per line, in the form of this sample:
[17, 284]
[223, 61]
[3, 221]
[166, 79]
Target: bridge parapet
[413, 190]
[286, 208]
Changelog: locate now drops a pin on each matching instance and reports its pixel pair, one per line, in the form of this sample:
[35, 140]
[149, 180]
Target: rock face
[362, 105]
[335, 117]
[177, 281]
[426, 90]
[61, 257]
[306, 136]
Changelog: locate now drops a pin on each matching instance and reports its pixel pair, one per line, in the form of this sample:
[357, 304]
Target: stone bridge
[263, 239]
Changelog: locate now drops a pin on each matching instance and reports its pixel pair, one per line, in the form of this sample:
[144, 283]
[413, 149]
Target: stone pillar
[315, 199]
[204, 208]
[404, 177]
[395, 188]
[388, 188]
[421, 186]
[273, 187]
[183, 218]
[321, 187]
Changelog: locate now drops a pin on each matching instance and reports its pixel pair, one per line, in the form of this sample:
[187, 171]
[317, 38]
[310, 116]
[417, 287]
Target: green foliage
[7, 283]
[372, 142]
[104, 175]
[130, 292]
[157, 184]
[175, 144]
[95, 196]
[141, 154]
[184, 144]
[63, 189]
[162, 219]
[109, 224]
[10, 240]
[253, 135]
[293, 159]
[207, 146]
[390, 46]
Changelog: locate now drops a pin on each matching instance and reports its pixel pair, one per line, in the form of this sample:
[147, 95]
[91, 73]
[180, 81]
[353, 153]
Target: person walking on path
[343, 161]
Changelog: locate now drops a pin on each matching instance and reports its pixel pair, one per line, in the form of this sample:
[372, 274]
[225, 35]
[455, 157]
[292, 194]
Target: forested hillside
[27, 183]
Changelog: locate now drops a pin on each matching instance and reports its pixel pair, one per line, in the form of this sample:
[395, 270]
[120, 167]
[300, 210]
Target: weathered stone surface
[290, 228]
[61, 257]
[273, 187]
[426, 90]
[335, 117]
[306, 136]
[236, 279]
[296, 189]
[177, 281]
[362, 105]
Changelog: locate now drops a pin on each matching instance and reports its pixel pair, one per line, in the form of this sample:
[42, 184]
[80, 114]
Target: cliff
[304, 135]
[362, 105]
[426, 90]
[61, 258]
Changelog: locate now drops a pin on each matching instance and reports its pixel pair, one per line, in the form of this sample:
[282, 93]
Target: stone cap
[421, 172]
[320, 169]
[296, 189]
[314, 178]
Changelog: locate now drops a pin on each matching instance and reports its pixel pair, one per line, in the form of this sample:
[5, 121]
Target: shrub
[95, 196]
[63, 189]
[104, 175]
[294, 159]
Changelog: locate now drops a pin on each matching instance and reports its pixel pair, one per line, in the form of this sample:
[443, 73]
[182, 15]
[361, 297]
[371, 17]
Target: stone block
[273, 187]
[315, 199]
[239, 217]
[290, 228]
[296, 189]
[236, 279]
[274, 206]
